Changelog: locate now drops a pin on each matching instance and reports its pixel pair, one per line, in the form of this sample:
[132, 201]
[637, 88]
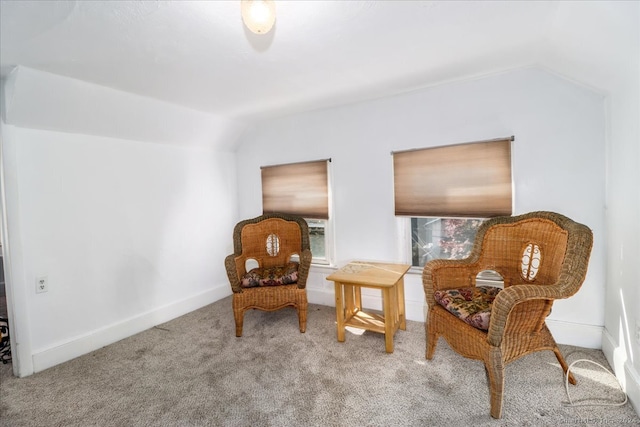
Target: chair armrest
[511, 296]
[232, 273]
[447, 274]
[303, 268]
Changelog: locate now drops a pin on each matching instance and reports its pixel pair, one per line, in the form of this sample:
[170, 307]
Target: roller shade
[464, 180]
[297, 188]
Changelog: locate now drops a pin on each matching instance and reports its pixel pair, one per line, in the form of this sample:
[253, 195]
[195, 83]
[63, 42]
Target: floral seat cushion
[271, 276]
[473, 305]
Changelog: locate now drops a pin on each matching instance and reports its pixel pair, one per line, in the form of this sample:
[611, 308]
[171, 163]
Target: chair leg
[239, 317]
[432, 339]
[495, 371]
[302, 318]
[562, 362]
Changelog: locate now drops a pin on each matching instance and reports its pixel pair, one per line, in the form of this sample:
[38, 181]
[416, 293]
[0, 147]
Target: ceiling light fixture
[258, 15]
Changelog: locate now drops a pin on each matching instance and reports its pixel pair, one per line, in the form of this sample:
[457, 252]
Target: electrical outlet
[42, 284]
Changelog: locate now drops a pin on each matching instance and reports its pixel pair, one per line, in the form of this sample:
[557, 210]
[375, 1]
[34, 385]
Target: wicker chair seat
[472, 305]
[271, 276]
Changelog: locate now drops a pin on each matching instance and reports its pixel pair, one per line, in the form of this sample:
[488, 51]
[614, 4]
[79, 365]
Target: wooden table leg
[401, 307]
[340, 319]
[394, 307]
[349, 308]
[388, 319]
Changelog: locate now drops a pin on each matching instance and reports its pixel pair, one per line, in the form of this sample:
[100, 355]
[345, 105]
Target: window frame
[407, 239]
[403, 222]
[328, 259]
[487, 278]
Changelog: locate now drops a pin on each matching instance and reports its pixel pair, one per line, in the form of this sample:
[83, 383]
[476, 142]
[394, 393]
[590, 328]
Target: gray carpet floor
[193, 371]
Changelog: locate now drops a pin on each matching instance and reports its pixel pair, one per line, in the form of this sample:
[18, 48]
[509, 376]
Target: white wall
[602, 50]
[558, 165]
[130, 234]
[621, 345]
[621, 341]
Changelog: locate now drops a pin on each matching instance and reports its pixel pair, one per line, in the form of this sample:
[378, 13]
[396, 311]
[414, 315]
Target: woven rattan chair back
[271, 242]
[527, 251]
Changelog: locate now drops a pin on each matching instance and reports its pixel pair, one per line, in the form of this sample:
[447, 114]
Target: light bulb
[258, 15]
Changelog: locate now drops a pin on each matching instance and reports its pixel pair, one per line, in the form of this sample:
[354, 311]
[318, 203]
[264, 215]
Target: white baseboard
[94, 340]
[316, 296]
[578, 334]
[627, 375]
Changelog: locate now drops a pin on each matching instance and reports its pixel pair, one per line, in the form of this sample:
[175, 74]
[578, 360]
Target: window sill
[415, 270]
[323, 268]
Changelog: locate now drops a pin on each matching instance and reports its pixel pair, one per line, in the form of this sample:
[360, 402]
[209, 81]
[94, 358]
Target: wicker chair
[269, 240]
[542, 256]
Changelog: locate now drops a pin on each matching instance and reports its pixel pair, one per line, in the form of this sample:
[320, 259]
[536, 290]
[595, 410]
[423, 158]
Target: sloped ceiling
[197, 54]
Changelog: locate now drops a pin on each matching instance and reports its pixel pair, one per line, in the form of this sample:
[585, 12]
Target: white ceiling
[321, 53]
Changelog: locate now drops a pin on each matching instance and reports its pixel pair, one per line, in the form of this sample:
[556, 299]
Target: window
[453, 238]
[318, 239]
[447, 192]
[301, 189]
[442, 238]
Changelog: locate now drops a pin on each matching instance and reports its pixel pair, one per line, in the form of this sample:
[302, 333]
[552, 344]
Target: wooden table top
[370, 273]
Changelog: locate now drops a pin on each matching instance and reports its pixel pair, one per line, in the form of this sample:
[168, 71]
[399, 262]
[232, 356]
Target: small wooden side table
[389, 278]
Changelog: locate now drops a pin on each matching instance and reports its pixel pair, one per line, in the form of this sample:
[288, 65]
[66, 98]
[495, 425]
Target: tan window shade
[297, 188]
[466, 180]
